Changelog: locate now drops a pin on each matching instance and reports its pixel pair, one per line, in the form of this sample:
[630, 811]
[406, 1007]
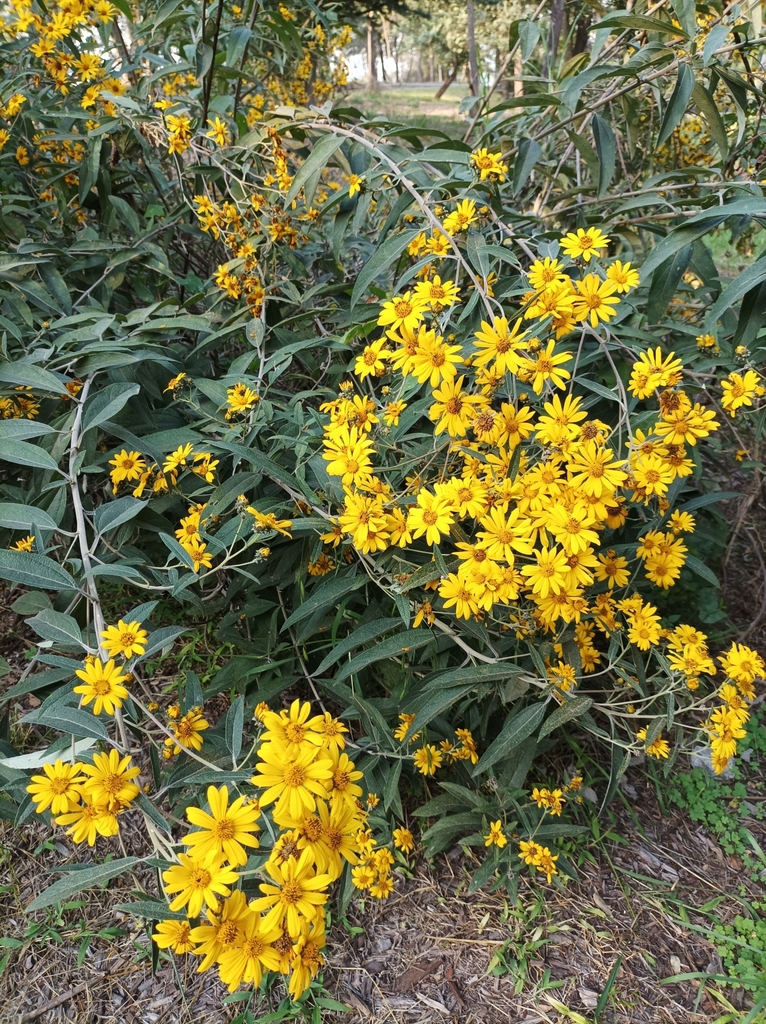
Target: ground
[430, 953]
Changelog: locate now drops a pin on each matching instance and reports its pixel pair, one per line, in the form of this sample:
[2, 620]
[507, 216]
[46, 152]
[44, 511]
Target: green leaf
[665, 280]
[56, 626]
[749, 278]
[606, 149]
[362, 635]
[639, 22]
[686, 13]
[24, 517]
[513, 733]
[326, 595]
[529, 35]
[69, 720]
[702, 570]
[34, 570]
[32, 376]
[114, 513]
[383, 257]
[78, 881]
[572, 708]
[162, 638]
[708, 499]
[678, 102]
[437, 702]
[235, 719]
[529, 152]
[127, 214]
[105, 404]
[267, 467]
[313, 165]
[392, 646]
[22, 429]
[22, 453]
[474, 674]
[483, 875]
[152, 910]
[707, 106]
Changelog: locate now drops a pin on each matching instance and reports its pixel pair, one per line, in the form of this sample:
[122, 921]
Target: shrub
[413, 420]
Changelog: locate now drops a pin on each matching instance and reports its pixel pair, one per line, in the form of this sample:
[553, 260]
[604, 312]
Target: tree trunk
[555, 29]
[372, 74]
[518, 71]
[431, 71]
[473, 60]
[382, 61]
[446, 84]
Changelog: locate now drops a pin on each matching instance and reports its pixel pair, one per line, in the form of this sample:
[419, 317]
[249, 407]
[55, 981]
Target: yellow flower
[293, 729]
[306, 959]
[239, 399]
[405, 311]
[223, 932]
[547, 367]
[436, 293]
[489, 165]
[218, 131]
[267, 521]
[226, 831]
[427, 759]
[372, 361]
[432, 517]
[658, 748]
[495, 836]
[197, 885]
[88, 821]
[187, 731]
[356, 182]
[453, 409]
[125, 639]
[24, 544]
[108, 781]
[293, 782]
[297, 893]
[58, 789]
[623, 276]
[403, 839]
[178, 459]
[175, 935]
[595, 300]
[498, 343]
[432, 360]
[461, 218]
[127, 466]
[392, 412]
[739, 390]
[584, 244]
[102, 684]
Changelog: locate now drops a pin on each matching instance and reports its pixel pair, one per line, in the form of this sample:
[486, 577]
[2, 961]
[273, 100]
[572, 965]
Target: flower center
[333, 838]
[341, 780]
[454, 406]
[294, 775]
[291, 893]
[403, 309]
[586, 242]
[253, 948]
[128, 639]
[293, 730]
[199, 879]
[102, 686]
[312, 828]
[223, 829]
[429, 518]
[228, 933]
[59, 786]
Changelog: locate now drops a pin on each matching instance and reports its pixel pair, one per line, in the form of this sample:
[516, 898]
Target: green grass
[415, 105]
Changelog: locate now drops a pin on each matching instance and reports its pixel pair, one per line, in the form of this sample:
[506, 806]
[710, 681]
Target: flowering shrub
[418, 424]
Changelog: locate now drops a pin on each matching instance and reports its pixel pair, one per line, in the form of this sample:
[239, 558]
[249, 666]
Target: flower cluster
[313, 787]
[742, 667]
[86, 798]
